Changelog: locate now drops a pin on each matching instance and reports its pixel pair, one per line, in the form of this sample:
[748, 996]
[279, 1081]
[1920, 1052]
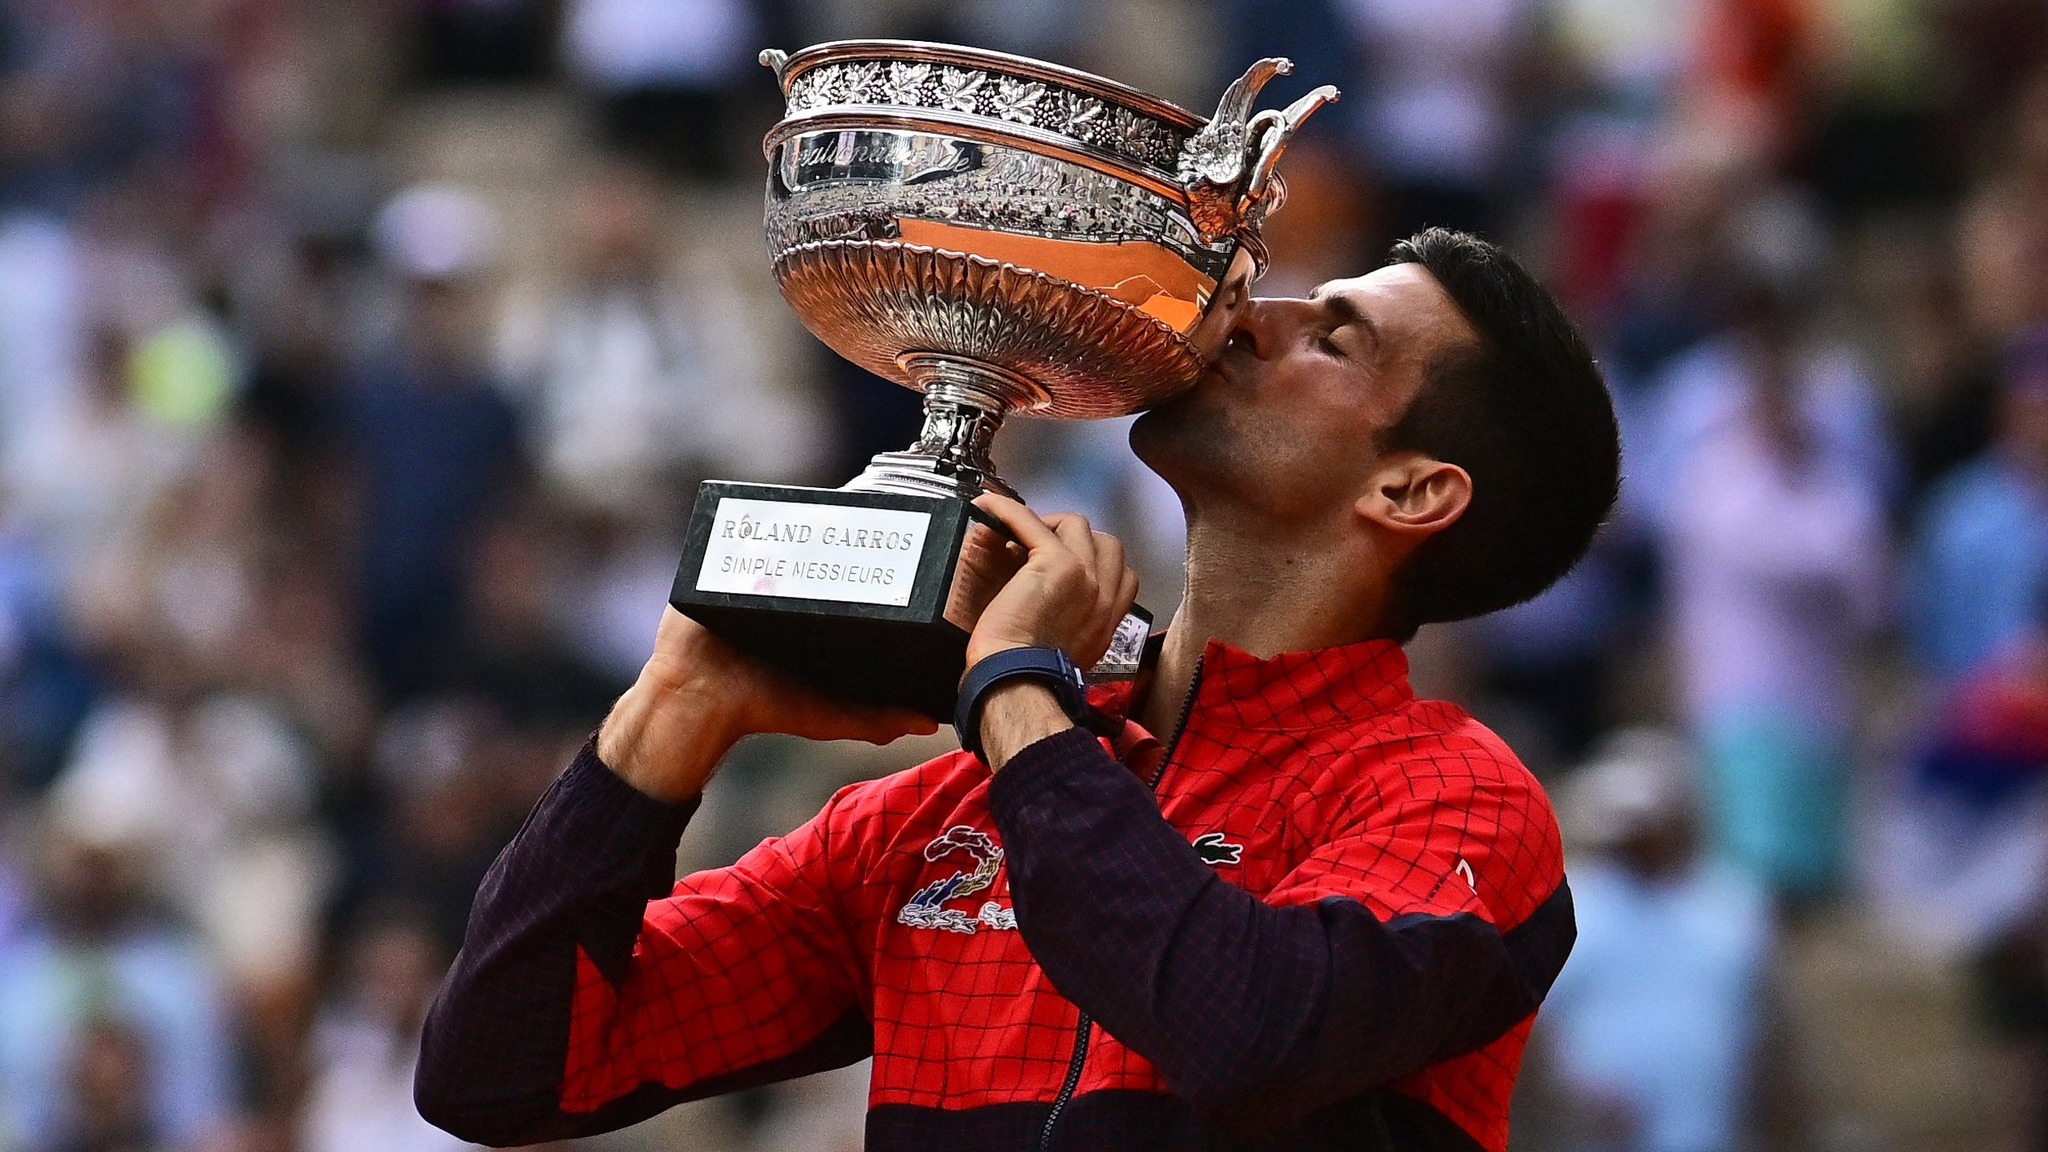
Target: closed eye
[1342, 312]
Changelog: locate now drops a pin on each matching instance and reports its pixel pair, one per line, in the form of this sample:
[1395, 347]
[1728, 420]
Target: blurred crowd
[342, 476]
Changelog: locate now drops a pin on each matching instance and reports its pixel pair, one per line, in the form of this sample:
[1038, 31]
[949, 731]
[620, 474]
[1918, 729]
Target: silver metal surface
[1004, 234]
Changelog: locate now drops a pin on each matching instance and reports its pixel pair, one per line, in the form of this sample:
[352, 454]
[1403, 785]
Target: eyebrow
[1348, 312]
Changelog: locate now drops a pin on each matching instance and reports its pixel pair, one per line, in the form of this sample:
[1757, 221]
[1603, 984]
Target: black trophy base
[848, 591]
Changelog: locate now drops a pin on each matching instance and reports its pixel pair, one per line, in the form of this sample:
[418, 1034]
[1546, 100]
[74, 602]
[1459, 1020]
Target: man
[1980, 553]
[1284, 904]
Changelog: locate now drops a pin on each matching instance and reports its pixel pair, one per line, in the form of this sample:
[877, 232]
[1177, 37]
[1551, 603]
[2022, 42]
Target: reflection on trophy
[1002, 235]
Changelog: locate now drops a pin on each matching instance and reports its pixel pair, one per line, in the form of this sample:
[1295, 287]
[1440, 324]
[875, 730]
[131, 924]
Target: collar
[1291, 691]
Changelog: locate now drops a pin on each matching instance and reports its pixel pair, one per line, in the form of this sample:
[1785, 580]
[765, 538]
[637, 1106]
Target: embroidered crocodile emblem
[1214, 849]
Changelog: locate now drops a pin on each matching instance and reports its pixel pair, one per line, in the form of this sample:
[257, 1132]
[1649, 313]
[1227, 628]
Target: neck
[1266, 593]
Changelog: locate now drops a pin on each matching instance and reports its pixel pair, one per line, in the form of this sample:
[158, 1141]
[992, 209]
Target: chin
[1181, 442]
[1153, 435]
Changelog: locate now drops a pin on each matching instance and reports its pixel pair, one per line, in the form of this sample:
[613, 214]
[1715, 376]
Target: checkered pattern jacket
[1322, 918]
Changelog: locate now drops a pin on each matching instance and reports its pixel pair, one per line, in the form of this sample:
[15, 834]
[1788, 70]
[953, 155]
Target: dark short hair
[1525, 411]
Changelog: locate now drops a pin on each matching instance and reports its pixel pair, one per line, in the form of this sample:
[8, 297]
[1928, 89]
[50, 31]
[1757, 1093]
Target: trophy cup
[1002, 235]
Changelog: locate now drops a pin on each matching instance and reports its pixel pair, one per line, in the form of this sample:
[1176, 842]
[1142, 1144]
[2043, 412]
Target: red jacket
[1323, 919]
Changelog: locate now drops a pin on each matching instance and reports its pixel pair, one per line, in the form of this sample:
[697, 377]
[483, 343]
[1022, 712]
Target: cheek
[1284, 468]
[1299, 438]
[1279, 457]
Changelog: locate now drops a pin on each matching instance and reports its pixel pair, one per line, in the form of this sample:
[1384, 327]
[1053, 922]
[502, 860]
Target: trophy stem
[964, 403]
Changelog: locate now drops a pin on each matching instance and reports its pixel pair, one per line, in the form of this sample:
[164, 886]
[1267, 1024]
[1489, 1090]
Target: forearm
[1237, 1002]
[571, 887]
[589, 990]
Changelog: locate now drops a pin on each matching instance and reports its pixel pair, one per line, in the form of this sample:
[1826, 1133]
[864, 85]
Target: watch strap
[1048, 666]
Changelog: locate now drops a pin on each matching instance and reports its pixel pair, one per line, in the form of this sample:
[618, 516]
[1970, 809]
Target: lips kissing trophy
[1002, 235]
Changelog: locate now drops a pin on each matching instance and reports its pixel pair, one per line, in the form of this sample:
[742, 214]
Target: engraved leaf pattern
[1011, 191]
[958, 89]
[1141, 136]
[830, 85]
[806, 92]
[1081, 116]
[1125, 132]
[1017, 100]
[862, 80]
[906, 82]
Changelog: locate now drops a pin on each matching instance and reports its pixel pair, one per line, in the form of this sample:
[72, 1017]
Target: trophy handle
[1271, 131]
[1227, 167]
[1234, 109]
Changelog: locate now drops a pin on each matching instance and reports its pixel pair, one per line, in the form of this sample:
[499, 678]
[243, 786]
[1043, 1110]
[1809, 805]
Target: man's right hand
[697, 696]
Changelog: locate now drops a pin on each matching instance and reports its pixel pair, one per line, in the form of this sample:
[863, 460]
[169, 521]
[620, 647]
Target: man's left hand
[1071, 593]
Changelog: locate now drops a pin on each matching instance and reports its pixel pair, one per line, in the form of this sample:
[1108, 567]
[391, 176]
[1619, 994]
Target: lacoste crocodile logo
[927, 908]
[1214, 849]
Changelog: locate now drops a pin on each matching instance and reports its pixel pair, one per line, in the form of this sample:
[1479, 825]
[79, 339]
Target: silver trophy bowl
[1006, 235]
[1002, 235]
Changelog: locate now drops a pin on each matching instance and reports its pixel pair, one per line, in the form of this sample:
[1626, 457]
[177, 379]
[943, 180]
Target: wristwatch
[1048, 666]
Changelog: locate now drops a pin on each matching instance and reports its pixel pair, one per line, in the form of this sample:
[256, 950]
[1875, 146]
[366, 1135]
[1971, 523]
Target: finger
[1122, 594]
[877, 727]
[990, 556]
[895, 723]
[985, 538]
[1108, 572]
[673, 628]
[807, 712]
[1022, 522]
[1127, 592]
[1073, 531]
[1110, 617]
[1109, 561]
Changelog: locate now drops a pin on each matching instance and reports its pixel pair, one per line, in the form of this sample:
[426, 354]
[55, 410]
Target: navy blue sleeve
[579, 874]
[1250, 1011]
[577, 879]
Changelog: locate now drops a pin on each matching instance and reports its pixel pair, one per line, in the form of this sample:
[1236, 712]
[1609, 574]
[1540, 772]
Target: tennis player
[1262, 898]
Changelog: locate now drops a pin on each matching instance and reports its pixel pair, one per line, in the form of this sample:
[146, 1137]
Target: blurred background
[358, 359]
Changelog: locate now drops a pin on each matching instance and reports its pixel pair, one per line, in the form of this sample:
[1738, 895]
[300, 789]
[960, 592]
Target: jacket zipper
[1187, 709]
[1080, 1056]
[1074, 1064]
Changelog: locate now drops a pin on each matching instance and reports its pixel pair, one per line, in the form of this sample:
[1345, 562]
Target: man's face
[1289, 419]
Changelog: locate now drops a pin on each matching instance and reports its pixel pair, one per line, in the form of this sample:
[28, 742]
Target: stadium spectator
[1773, 537]
[431, 437]
[1980, 556]
[116, 1019]
[1655, 1027]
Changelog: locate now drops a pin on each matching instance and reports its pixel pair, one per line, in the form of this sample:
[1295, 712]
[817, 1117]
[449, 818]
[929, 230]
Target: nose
[1267, 324]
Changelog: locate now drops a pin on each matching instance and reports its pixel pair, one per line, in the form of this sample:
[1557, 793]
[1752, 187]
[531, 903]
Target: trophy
[1002, 235]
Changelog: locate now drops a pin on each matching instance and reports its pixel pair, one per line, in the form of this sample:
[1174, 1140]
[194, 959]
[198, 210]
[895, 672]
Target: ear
[1416, 496]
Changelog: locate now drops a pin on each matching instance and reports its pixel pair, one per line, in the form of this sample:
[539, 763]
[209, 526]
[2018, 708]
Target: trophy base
[853, 592]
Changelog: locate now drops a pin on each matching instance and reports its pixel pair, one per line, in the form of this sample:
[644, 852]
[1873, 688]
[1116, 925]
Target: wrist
[1015, 715]
[666, 736]
[1057, 700]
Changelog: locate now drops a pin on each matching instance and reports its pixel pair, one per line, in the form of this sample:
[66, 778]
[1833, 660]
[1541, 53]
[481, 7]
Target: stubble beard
[1194, 446]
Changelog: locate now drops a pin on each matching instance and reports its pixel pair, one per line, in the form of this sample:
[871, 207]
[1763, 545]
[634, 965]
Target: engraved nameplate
[1126, 655]
[838, 552]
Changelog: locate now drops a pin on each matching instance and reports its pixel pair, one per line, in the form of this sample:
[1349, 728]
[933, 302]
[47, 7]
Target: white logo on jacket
[927, 908]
